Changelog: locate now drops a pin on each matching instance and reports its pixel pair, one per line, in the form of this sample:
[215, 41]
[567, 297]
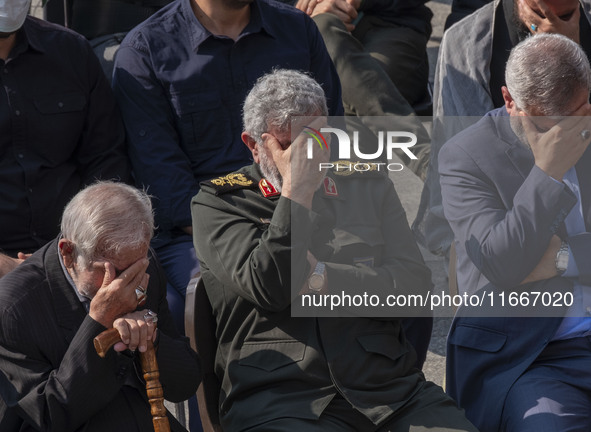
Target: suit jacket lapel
[583, 169]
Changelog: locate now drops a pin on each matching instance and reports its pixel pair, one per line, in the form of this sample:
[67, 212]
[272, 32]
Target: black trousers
[383, 70]
[429, 410]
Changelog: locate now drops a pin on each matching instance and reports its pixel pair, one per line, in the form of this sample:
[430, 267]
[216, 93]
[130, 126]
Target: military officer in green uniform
[284, 373]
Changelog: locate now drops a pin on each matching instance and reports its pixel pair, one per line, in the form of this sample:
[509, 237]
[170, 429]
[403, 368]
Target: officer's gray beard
[269, 169]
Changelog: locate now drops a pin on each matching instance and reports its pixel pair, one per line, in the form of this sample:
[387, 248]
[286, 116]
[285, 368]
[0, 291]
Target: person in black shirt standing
[59, 128]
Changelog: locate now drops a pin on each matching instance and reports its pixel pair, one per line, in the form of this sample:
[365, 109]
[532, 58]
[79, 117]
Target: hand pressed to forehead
[117, 294]
[301, 175]
[289, 156]
[550, 16]
[560, 147]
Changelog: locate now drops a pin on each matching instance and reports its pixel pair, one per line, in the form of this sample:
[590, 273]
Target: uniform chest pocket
[60, 115]
[384, 344]
[203, 123]
[269, 356]
[62, 103]
[477, 338]
[359, 244]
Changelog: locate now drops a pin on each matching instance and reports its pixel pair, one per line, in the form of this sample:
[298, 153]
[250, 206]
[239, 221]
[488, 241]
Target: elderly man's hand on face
[538, 17]
[559, 149]
[301, 176]
[117, 295]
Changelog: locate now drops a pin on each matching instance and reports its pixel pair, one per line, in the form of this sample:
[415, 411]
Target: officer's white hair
[106, 217]
[545, 72]
[279, 96]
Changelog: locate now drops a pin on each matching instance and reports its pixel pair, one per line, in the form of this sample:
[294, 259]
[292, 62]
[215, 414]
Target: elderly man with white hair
[98, 274]
[516, 191]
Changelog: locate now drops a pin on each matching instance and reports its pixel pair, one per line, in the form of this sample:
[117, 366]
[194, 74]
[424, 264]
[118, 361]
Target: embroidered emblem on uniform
[330, 187]
[234, 179]
[268, 189]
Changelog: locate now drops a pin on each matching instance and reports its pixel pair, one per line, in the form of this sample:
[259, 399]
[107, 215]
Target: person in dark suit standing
[516, 191]
[94, 276]
[265, 238]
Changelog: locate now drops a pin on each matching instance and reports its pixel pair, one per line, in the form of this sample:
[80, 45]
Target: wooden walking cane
[104, 342]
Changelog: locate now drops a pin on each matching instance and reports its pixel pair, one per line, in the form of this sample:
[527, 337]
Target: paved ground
[409, 189]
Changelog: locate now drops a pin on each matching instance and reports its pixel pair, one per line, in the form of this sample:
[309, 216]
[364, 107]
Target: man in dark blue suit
[516, 190]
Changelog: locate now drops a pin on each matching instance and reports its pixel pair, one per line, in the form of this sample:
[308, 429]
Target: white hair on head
[106, 217]
[279, 96]
[545, 72]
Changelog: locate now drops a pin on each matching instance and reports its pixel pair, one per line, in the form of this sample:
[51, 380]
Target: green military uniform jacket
[271, 364]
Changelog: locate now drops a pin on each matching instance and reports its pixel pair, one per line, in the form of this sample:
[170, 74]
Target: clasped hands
[115, 303]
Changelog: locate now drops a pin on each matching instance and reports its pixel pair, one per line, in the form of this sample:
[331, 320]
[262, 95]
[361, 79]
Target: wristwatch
[562, 257]
[316, 279]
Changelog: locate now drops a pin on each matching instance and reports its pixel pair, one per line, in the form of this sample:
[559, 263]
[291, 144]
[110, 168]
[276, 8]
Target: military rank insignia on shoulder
[230, 182]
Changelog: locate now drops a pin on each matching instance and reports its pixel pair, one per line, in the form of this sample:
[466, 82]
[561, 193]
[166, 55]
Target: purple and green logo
[316, 136]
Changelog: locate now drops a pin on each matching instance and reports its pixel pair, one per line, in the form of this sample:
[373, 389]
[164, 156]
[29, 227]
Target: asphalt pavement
[409, 187]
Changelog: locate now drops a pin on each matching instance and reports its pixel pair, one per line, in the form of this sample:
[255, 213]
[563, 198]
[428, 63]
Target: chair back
[200, 329]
